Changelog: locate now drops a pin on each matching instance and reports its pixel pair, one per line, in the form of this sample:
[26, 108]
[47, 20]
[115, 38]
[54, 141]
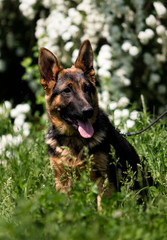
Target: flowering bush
[129, 39]
[13, 135]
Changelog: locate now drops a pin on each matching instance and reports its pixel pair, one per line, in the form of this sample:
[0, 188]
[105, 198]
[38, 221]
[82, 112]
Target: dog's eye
[67, 90]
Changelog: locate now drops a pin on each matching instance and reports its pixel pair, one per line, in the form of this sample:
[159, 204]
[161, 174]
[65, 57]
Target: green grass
[30, 208]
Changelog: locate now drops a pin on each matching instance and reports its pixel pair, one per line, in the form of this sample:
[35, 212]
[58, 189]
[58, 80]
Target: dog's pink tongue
[85, 129]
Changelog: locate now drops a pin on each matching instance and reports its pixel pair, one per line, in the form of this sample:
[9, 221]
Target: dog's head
[70, 94]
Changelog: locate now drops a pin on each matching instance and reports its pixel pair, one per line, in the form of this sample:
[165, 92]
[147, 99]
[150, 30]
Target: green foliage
[30, 207]
[32, 76]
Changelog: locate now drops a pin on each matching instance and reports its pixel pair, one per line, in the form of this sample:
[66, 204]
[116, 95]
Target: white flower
[68, 46]
[117, 122]
[160, 8]
[66, 36]
[19, 120]
[155, 78]
[151, 21]
[159, 40]
[134, 115]
[160, 30]
[57, 25]
[133, 51]
[105, 96]
[7, 105]
[120, 72]
[112, 105]
[98, 26]
[20, 108]
[26, 7]
[105, 32]
[75, 55]
[117, 114]
[130, 123]
[126, 46]
[8, 154]
[75, 16]
[125, 81]
[3, 142]
[102, 105]
[125, 113]
[17, 140]
[40, 28]
[73, 30]
[23, 108]
[9, 140]
[17, 128]
[146, 35]
[104, 56]
[14, 113]
[26, 129]
[46, 3]
[142, 37]
[102, 72]
[149, 33]
[85, 6]
[123, 102]
[104, 63]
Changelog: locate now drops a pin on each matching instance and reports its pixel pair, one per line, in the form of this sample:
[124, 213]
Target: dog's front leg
[103, 190]
[63, 183]
[100, 184]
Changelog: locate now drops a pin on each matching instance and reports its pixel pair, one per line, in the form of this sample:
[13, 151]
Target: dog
[76, 122]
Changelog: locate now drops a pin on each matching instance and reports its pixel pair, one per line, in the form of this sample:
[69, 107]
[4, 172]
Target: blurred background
[129, 39]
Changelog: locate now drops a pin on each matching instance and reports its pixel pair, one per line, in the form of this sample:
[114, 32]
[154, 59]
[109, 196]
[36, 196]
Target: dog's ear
[85, 58]
[49, 67]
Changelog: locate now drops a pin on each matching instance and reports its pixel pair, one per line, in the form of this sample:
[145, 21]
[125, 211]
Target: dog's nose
[87, 112]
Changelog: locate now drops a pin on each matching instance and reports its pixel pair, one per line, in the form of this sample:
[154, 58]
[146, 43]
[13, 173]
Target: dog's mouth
[84, 128]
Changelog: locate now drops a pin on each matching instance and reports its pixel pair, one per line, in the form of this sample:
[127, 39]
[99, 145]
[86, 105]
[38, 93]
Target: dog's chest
[73, 144]
[66, 148]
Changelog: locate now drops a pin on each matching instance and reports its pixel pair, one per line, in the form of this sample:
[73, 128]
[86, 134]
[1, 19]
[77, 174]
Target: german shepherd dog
[77, 122]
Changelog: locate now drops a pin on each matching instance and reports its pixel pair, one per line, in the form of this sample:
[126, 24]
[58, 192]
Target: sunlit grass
[30, 208]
